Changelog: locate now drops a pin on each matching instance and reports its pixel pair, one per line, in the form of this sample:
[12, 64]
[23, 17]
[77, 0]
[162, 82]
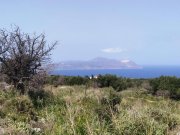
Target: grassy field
[75, 110]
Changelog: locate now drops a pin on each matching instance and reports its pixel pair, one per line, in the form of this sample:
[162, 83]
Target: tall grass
[80, 111]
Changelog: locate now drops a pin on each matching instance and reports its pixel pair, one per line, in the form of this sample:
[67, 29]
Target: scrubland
[78, 110]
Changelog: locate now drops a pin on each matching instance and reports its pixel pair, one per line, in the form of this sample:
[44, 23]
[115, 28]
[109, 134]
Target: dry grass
[73, 110]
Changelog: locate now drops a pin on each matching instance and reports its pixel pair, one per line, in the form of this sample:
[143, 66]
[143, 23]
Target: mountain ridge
[98, 63]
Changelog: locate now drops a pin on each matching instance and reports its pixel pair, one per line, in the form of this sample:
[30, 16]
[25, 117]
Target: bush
[118, 83]
[166, 83]
[108, 107]
[106, 80]
[176, 94]
[52, 79]
[164, 117]
[66, 80]
[2, 114]
[21, 109]
[40, 98]
[75, 80]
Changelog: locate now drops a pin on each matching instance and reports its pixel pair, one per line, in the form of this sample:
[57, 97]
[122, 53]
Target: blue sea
[145, 72]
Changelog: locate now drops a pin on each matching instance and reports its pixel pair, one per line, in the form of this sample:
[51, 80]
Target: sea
[145, 72]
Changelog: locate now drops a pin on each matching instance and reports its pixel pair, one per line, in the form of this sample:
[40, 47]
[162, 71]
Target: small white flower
[37, 129]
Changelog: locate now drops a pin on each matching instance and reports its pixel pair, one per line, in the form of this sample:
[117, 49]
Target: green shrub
[120, 84]
[40, 98]
[164, 117]
[107, 107]
[2, 114]
[176, 94]
[106, 80]
[20, 109]
[166, 83]
[52, 79]
[89, 103]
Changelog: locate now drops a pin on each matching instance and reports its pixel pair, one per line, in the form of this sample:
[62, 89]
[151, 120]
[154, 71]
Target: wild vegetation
[22, 55]
[81, 110]
[34, 103]
[166, 86]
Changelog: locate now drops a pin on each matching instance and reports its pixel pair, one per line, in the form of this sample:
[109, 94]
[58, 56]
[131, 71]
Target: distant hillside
[98, 63]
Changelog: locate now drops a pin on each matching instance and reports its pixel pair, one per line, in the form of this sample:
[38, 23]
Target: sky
[145, 31]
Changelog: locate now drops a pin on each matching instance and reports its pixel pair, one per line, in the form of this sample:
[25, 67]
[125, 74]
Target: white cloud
[112, 50]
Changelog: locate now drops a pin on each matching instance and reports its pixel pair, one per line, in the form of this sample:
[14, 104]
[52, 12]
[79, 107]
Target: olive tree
[21, 54]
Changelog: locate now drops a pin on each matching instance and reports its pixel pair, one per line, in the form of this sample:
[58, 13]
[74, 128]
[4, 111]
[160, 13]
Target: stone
[2, 132]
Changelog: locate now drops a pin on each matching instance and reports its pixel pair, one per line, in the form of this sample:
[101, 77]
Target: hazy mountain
[98, 63]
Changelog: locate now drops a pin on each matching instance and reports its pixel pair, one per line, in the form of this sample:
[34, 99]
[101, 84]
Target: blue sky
[145, 31]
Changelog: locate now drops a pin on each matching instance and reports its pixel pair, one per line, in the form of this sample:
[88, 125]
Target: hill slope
[98, 63]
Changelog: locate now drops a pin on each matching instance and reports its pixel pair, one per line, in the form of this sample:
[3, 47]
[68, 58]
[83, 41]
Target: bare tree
[21, 54]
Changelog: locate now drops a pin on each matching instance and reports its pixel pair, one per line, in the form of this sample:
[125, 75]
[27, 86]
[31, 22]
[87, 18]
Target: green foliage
[163, 117]
[66, 80]
[106, 80]
[88, 102]
[75, 80]
[52, 79]
[19, 108]
[166, 83]
[176, 94]
[163, 86]
[114, 98]
[40, 98]
[108, 107]
[118, 83]
[2, 114]
[55, 110]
